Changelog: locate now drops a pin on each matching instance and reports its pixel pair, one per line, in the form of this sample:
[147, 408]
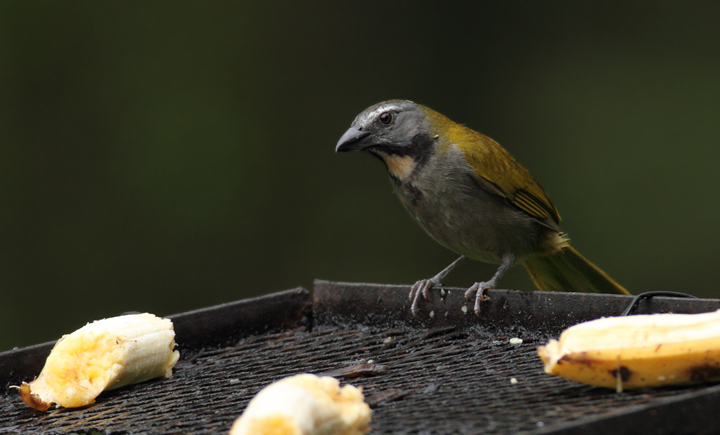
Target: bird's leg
[478, 289]
[424, 285]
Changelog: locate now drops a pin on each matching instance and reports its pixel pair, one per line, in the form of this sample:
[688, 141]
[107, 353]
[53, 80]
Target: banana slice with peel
[103, 355]
[305, 405]
[638, 351]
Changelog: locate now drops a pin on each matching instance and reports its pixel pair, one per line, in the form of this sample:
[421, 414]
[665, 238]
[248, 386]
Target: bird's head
[399, 132]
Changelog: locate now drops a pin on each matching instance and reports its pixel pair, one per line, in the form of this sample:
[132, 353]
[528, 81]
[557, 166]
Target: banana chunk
[103, 355]
[305, 405]
[638, 351]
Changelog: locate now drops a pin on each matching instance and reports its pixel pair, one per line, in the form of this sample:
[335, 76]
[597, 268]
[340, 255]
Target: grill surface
[451, 374]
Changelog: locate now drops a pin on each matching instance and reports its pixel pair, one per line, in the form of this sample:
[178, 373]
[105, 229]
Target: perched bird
[473, 198]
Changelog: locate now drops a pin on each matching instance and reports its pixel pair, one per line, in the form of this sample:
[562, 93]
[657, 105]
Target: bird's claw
[421, 287]
[478, 290]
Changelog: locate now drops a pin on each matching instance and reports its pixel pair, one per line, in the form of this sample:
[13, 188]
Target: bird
[470, 195]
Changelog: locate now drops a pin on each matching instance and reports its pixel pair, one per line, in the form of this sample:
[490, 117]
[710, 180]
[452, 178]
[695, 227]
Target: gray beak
[353, 139]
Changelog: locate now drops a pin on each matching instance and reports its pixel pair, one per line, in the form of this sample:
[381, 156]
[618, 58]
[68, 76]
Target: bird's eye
[386, 118]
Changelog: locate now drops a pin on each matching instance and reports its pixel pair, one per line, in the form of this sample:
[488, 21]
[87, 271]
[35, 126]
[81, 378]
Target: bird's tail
[567, 270]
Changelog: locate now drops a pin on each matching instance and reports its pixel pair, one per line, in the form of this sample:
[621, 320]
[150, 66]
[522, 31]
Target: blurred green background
[168, 156]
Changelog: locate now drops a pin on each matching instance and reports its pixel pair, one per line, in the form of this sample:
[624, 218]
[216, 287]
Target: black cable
[647, 295]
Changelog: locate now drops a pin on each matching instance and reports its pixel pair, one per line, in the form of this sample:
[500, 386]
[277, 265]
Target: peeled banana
[638, 351]
[305, 405]
[103, 355]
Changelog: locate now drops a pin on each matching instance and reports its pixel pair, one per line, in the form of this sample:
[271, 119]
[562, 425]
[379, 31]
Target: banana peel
[638, 351]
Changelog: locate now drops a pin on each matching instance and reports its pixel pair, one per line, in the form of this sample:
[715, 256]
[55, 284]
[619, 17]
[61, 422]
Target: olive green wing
[499, 173]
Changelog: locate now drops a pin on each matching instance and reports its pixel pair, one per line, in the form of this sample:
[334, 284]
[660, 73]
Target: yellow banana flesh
[305, 405]
[638, 351]
[103, 355]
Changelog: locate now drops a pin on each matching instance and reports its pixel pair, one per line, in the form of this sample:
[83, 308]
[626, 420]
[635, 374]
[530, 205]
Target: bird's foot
[422, 287]
[478, 290]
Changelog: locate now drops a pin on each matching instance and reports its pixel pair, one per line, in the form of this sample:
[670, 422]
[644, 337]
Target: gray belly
[467, 219]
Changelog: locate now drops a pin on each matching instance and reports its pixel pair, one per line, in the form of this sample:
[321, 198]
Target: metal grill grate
[441, 378]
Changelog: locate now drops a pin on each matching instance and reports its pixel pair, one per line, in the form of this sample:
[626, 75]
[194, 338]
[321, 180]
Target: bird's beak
[353, 139]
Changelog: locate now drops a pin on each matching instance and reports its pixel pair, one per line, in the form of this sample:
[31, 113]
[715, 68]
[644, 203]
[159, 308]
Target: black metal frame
[345, 307]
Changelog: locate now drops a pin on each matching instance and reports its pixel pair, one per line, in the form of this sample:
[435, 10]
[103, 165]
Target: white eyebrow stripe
[382, 109]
